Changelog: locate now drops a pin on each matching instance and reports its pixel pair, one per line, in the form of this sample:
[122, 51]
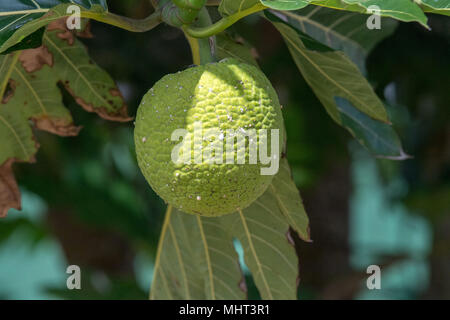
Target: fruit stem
[203, 50]
[222, 24]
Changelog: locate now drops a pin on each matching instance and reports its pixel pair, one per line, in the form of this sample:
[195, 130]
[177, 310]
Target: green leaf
[229, 7]
[38, 98]
[380, 138]
[340, 30]
[285, 4]
[29, 94]
[17, 137]
[331, 73]
[227, 47]
[91, 87]
[289, 201]
[195, 260]
[435, 6]
[264, 235]
[20, 19]
[403, 10]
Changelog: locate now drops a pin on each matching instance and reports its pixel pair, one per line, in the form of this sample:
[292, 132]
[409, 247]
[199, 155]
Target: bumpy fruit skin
[225, 95]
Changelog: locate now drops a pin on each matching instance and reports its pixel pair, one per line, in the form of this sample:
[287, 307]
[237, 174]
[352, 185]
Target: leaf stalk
[134, 25]
[221, 25]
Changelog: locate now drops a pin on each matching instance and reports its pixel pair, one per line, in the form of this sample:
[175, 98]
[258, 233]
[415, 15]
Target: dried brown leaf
[120, 115]
[34, 59]
[9, 191]
[57, 126]
[65, 33]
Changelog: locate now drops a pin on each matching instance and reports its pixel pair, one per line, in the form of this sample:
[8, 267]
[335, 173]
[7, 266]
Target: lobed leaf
[227, 47]
[331, 74]
[91, 87]
[30, 94]
[37, 97]
[20, 20]
[289, 201]
[17, 145]
[17, 137]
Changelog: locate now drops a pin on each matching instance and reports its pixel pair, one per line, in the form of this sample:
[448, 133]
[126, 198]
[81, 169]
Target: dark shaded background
[104, 216]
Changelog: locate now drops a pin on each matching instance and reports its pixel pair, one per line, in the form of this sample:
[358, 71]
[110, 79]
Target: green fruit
[228, 95]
